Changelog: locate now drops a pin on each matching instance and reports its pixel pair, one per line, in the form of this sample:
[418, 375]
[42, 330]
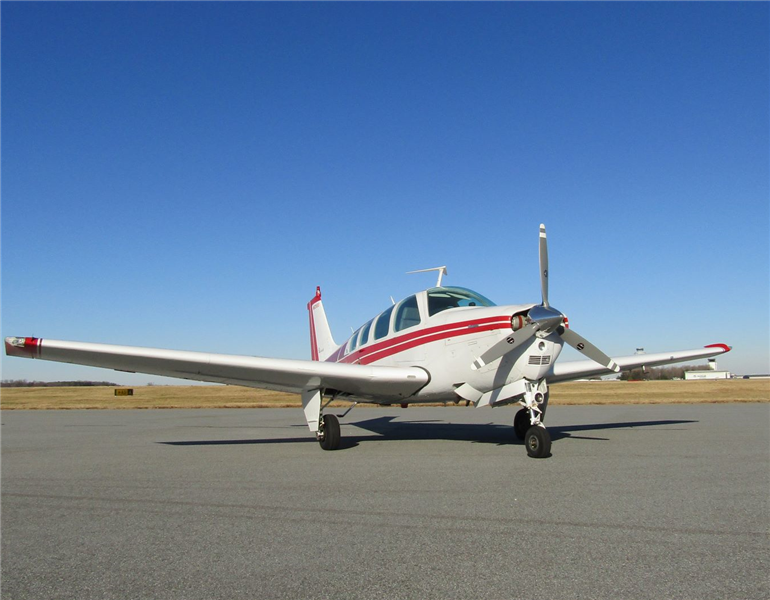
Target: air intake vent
[539, 360]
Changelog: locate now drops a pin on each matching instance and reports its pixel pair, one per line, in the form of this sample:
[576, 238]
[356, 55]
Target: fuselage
[443, 330]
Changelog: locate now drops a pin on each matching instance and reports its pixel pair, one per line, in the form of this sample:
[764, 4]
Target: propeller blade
[544, 265]
[504, 346]
[579, 343]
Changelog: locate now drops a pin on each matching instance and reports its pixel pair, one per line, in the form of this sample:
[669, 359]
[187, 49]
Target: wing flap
[587, 368]
[287, 375]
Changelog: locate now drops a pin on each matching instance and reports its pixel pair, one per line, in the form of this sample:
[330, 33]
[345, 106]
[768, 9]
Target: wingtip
[724, 347]
[24, 347]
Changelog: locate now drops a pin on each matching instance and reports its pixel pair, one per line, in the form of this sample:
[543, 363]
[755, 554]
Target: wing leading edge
[587, 368]
[285, 375]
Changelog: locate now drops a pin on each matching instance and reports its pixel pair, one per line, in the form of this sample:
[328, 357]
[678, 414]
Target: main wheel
[538, 442]
[521, 423]
[329, 436]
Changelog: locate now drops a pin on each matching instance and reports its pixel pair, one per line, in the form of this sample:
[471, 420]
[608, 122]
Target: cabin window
[443, 298]
[407, 315]
[351, 343]
[382, 326]
[354, 343]
[365, 333]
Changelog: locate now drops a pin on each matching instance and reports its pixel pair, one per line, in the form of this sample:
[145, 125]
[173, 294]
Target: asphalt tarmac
[656, 501]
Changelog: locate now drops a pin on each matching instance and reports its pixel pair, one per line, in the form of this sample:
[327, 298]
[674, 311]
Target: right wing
[587, 368]
[285, 375]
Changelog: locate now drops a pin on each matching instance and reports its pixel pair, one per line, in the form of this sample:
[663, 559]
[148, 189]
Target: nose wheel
[538, 442]
[528, 425]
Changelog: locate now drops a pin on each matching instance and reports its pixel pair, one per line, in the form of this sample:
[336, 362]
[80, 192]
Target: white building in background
[711, 373]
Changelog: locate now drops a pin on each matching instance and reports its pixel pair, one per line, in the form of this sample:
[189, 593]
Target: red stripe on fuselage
[394, 345]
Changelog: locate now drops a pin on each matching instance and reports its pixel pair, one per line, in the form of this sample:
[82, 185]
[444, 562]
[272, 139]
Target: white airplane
[444, 344]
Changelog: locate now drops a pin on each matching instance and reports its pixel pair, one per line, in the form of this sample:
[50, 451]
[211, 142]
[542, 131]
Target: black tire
[521, 423]
[538, 442]
[330, 433]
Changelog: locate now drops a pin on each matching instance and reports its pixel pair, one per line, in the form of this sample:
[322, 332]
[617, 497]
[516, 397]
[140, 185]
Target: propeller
[503, 347]
[543, 320]
[544, 265]
[579, 343]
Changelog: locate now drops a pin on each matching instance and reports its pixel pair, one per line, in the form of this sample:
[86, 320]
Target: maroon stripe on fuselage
[394, 345]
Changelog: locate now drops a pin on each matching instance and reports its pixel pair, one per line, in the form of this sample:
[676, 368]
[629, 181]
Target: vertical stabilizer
[321, 341]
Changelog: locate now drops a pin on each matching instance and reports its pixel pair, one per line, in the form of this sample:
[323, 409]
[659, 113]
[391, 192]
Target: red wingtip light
[28, 347]
[724, 347]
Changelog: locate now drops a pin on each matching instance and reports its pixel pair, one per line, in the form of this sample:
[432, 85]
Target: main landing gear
[527, 424]
[328, 433]
[325, 427]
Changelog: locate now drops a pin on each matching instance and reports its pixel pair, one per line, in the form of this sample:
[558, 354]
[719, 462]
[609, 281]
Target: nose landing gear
[528, 425]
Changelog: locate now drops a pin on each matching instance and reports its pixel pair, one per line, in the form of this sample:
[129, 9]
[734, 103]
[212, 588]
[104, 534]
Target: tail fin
[321, 341]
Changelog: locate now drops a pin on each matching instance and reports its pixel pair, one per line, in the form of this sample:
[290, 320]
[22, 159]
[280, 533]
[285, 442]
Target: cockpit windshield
[442, 298]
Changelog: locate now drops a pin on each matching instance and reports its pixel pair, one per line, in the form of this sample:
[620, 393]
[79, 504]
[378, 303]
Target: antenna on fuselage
[441, 272]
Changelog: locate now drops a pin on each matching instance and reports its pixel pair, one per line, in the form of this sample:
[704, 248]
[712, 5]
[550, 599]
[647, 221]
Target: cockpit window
[407, 315]
[443, 298]
[383, 324]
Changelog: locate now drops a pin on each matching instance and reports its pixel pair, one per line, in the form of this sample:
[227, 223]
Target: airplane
[441, 345]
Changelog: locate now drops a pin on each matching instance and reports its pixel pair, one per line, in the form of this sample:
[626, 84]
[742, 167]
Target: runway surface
[657, 501]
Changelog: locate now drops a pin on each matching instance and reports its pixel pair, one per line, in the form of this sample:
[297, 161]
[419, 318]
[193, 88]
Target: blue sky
[182, 175]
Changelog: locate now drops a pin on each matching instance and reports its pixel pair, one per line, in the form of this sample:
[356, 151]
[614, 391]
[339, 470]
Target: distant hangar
[711, 373]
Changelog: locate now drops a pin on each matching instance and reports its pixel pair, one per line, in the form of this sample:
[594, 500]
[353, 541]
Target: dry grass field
[648, 392]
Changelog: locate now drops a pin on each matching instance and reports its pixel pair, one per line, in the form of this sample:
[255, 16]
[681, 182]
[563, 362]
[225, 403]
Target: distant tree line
[660, 373]
[15, 383]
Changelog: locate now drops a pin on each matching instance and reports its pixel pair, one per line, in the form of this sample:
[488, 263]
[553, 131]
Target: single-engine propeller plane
[444, 344]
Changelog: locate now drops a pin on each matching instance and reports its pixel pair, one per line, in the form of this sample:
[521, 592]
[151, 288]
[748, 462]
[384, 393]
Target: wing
[285, 375]
[588, 368]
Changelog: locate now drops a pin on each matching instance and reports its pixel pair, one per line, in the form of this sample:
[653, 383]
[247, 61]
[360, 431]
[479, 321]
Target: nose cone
[546, 317]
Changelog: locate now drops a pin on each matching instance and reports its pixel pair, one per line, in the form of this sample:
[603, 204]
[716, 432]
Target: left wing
[588, 368]
[285, 375]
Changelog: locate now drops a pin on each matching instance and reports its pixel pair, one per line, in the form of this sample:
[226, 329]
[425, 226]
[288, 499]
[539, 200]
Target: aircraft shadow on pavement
[389, 429]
